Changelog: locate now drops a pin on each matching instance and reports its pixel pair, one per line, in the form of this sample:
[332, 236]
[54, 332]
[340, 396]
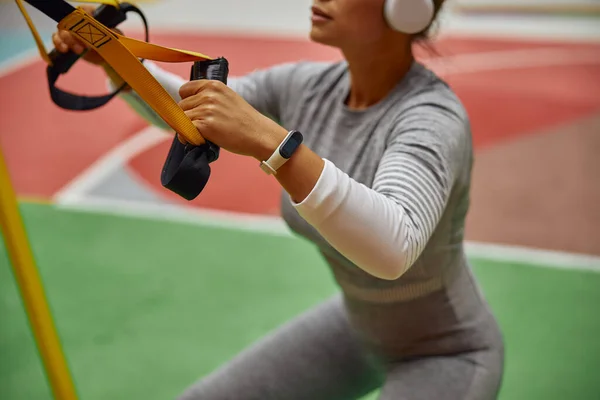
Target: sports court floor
[150, 292]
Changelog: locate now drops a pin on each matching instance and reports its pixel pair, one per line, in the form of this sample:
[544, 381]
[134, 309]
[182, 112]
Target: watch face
[291, 144]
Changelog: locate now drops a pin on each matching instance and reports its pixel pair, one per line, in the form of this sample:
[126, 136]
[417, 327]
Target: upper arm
[269, 90]
[264, 89]
[419, 168]
[272, 90]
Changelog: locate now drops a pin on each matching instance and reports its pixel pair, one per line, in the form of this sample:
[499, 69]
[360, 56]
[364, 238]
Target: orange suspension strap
[186, 170]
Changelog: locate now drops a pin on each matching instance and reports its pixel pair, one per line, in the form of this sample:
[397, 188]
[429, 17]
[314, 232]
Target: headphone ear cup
[408, 16]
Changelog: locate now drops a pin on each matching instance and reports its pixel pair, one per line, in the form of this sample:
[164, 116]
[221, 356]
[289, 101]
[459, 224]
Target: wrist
[269, 142]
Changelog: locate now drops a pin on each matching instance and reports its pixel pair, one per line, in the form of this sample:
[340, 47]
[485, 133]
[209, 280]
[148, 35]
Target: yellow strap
[36, 35]
[115, 3]
[122, 53]
[28, 280]
[111, 47]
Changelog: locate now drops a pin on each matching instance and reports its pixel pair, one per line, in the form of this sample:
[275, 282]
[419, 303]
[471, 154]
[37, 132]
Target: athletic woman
[381, 185]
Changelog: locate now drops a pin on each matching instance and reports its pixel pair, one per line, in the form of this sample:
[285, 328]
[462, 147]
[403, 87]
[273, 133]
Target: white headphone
[408, 16]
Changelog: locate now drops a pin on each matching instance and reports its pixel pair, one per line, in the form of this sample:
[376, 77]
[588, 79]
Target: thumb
[181, 139]
[88, 8]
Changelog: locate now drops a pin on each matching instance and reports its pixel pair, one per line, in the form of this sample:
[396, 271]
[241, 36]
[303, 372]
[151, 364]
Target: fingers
[74, 44]
[58, 43]
[195, 87]
[181, 139]
[64, 41]
[189, 89]
[199, 99]
[88, 8]
[196, 114]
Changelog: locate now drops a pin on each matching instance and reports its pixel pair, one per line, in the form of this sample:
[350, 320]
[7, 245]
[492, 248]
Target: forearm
[366, 227]
[301, 173]
[169, 81]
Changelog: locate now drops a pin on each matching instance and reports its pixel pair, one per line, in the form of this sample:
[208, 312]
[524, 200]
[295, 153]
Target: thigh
[473, 376]
[313, 357]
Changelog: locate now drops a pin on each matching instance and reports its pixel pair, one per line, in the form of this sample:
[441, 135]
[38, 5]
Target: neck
[375, 71]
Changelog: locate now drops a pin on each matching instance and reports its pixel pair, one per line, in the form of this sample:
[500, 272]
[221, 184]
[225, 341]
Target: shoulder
[297, 72]
[429, 116]
[428, 103]
[428, 95]
[303, 75]
[288, 80]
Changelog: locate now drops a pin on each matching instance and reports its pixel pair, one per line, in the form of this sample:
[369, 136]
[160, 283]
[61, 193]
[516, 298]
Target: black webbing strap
[61, 62]
[186, 170]
[55, 9]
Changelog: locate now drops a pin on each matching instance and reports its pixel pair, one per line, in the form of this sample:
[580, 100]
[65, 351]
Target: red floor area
[506, 104]
[47, 147]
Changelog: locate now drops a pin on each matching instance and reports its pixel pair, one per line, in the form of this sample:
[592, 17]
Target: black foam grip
[56, 10]
[186, 170]
[216, 70]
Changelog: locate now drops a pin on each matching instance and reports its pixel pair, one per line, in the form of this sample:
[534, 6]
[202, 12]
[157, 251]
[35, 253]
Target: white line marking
[274, 225]
[109, 163]
[523, 27]
[512, 59]
[530, 256]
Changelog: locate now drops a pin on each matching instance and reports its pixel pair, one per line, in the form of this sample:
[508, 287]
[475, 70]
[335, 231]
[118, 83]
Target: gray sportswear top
[414, 147]
[397, 170]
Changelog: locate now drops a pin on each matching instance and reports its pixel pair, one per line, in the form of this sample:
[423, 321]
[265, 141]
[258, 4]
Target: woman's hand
[64, 41]
[227, 120]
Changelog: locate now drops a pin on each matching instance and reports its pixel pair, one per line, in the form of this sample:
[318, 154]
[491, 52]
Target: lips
[320, 13]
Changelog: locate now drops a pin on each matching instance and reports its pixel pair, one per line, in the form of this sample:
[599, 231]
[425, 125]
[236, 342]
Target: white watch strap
[275, 162]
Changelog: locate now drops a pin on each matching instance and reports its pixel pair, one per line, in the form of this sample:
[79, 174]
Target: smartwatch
[286, 149]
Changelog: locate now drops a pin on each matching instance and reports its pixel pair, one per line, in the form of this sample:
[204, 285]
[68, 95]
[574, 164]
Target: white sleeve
[365, 227]
[384, 229]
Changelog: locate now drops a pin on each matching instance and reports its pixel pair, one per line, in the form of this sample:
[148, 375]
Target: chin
[317, 35]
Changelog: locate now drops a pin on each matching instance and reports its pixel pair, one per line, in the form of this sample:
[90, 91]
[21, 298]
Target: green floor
[144, 308]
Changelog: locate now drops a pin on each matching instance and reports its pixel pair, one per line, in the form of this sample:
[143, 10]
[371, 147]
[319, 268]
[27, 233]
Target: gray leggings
[317, 357]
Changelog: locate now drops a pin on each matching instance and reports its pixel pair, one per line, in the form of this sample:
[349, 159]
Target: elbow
[387, 262]
[390, 270]
[391, 274]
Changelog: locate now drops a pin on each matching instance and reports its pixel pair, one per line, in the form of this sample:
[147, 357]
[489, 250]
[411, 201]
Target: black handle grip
[186, 170]
[216, 70]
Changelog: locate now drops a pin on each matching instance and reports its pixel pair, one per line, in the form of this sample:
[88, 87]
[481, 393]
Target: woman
[381, 186]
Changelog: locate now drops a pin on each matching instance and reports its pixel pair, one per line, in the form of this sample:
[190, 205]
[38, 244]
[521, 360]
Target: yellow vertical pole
[32, 291]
